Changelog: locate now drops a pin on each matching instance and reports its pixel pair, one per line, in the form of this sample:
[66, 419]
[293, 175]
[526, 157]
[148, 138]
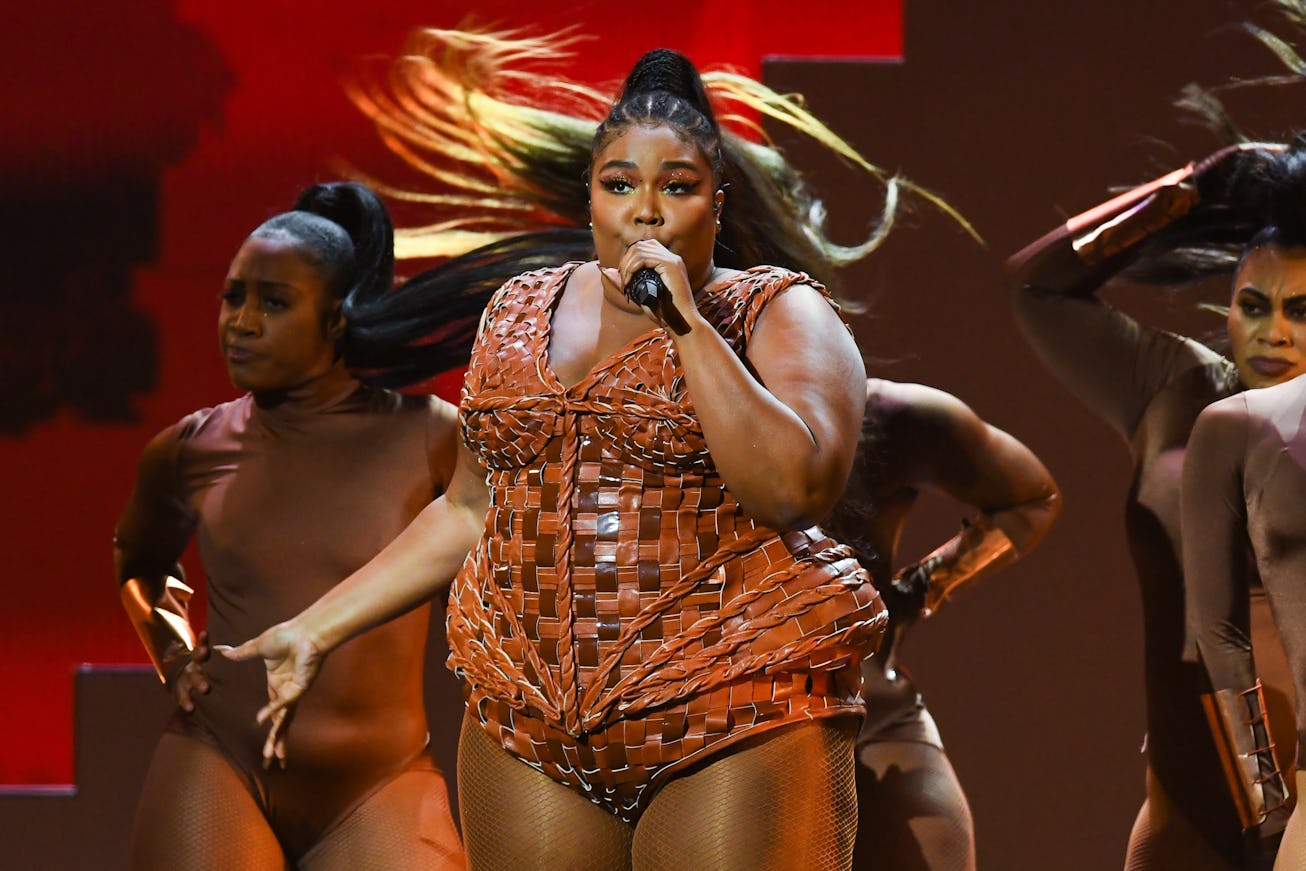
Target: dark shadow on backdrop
[82, 149]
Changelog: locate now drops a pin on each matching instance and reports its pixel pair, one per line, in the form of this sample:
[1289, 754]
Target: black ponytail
[665, 70]
[362, 215]
[427, 325]
[1256, 196]
[345, 232]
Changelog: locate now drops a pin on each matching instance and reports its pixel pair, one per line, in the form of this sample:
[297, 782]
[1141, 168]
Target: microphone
[645, 287]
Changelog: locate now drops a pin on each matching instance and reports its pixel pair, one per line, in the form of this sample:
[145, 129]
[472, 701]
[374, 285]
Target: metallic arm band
[1246, 748]
[163, 623]
[1118, 232]
[979, 547]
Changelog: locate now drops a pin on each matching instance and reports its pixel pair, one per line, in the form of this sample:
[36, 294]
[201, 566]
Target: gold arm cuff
[163, 624]
[979, 547]
[1124, 230]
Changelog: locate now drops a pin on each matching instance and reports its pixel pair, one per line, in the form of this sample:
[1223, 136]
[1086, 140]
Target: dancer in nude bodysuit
[661, 654]
[1243, 492]
[1150, 385]
[912, 813]
[287, 490]
[1244, 485]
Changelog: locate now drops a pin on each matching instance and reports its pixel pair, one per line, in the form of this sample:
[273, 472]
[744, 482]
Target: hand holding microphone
[646, 288]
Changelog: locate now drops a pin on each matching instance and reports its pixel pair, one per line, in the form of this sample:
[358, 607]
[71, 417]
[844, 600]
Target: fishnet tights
[197, 814]
[514, 817]
[1163, 838]
[1292, 851]
[785, 799]
[912, 813]
[403, 826]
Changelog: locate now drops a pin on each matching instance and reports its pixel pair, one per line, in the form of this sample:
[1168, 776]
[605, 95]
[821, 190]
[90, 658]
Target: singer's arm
[783, 423]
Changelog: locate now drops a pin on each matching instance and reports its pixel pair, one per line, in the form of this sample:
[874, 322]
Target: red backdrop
[142, 142]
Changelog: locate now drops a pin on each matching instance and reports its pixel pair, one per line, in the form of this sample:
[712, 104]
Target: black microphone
[645, 287]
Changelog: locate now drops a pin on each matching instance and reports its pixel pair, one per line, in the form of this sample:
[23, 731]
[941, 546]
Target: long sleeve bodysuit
[1244, 488]
[285, 502]
[1149, 386]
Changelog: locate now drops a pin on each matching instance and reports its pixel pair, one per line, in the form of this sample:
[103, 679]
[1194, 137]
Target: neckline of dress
[549, 307]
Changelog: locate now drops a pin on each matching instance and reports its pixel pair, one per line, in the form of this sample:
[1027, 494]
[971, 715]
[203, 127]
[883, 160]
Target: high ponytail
[506, 151]
[344, 230]
[665, 70]
[664, 88]
[365, 219]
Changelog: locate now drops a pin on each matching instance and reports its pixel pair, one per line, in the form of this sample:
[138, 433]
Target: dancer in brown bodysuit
[1244, 485]
[645, 606]
[289, 489]
[912, 813]
[1150, 385]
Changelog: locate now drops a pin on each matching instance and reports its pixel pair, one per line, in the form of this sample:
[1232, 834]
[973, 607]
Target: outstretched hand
[292, 659]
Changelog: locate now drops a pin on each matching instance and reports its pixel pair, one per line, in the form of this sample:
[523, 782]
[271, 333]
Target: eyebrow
[264, 283]
[665, 165]
[1261, 295]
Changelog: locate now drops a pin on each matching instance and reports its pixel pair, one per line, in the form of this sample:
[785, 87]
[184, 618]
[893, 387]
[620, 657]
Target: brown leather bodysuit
[621, 617]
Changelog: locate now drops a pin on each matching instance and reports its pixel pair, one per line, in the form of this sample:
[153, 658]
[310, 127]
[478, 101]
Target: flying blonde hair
[506, 142]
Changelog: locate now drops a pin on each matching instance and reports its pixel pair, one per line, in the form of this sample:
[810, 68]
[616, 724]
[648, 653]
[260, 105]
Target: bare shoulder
[442, 434]
[800, 330]
[1229, 410]
[800, 302]
[1282, 400]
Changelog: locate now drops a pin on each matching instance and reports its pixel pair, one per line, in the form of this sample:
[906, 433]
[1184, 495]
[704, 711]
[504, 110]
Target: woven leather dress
[621, 618]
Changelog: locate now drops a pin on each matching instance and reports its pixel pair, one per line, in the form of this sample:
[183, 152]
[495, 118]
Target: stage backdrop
[142, 141]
